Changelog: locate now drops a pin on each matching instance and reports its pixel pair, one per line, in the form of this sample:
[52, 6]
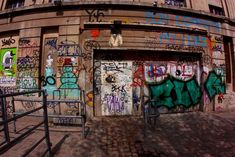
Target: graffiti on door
[173, 92]
[116, 91]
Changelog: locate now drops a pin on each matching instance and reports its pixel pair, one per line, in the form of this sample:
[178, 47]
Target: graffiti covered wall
[28, 64]
[62, 68]
[182, 21]
[116, 92]
[173, 83]
[158, 71]
[64, 64]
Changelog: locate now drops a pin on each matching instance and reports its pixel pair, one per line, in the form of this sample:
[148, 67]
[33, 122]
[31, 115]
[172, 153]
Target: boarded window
[178, 3]
[14, 4]
[216, 10]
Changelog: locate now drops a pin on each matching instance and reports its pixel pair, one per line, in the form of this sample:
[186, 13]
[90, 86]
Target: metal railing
[80, 115]
[150, 112]
[9, 143]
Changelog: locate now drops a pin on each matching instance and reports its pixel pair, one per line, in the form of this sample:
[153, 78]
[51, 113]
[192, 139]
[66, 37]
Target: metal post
[13, 108]
[47, 135]
[83, 118]
[4, 117]
[83, 126]
[145, 110]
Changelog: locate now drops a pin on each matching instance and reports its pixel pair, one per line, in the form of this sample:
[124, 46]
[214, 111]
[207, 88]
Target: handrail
[82, 110]
[10, 143]
[21, 93]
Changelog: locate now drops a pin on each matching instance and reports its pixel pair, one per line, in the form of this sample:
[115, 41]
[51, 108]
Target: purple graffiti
[114, 104]
[52, 42]
[217, 48]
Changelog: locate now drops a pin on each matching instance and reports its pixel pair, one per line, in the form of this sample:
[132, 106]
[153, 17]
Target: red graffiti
[138, 77]
[67, 61]
[95, 33]
[187, 71]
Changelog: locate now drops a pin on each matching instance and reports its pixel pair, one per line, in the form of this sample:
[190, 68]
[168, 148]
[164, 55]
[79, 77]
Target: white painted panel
[116, 90]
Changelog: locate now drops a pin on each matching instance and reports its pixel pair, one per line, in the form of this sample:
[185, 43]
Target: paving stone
[176, 135]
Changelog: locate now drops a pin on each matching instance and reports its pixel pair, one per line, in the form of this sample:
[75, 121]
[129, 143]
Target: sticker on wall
[8, 67]
[116, 90]
[115, 40]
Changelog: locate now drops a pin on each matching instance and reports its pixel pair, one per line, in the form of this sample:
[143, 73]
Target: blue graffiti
[52, 43]
[49, 81]
[187, 40]
[182, 21]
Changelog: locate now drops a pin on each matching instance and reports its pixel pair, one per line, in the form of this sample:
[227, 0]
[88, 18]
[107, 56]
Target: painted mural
[69, 87]
[158, 71]
[62, 69]
[116, 91]
[174, 83]
[68, 72]
[49, 81]
[173, 92]
[8, 62]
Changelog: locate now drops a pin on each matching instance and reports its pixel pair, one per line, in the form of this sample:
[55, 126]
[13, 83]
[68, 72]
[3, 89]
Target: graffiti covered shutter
[116, 91]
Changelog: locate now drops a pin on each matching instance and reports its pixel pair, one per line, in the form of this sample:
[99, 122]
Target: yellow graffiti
[89, 101]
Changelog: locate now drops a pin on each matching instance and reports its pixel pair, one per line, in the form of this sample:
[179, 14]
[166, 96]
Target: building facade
[113, 53]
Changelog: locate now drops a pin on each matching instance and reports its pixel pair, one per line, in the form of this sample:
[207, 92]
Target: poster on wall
[8, 64]
[116, 90]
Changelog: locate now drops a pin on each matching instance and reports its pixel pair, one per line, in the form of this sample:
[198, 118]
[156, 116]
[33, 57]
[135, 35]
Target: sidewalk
[176, 135]
[229, 116]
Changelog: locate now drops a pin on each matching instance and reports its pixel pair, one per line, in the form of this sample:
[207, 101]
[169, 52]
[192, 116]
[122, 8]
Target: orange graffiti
[95, 33]
[89, 101]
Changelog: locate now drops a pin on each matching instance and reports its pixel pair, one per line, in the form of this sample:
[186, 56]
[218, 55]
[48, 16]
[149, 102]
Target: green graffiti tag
[69, 87]
[173, 92]
[214, 84]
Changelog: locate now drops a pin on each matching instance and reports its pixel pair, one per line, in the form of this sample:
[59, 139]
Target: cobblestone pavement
[176, 135]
